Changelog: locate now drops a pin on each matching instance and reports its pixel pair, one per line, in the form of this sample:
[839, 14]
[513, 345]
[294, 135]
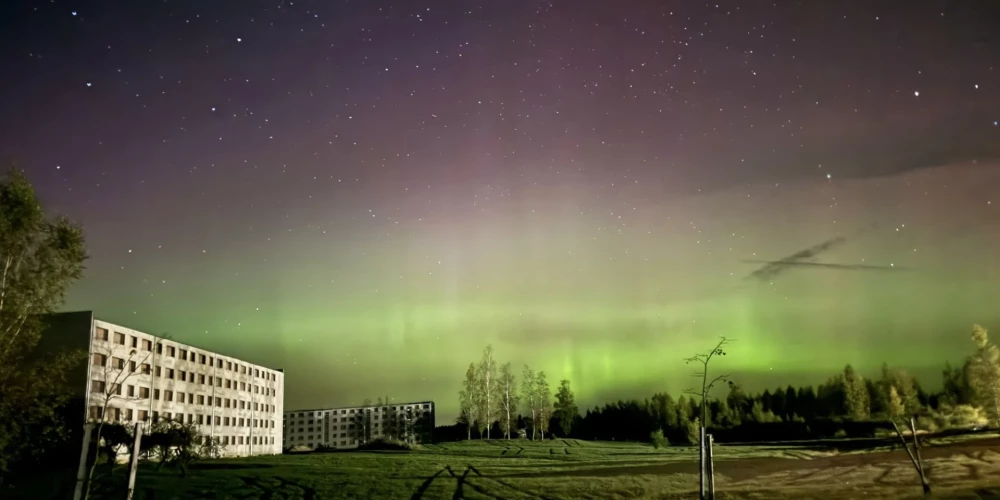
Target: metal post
[701, 462]
[135, 460]
[711, 468]
[920, 463]
[923, 480]
[81, 471]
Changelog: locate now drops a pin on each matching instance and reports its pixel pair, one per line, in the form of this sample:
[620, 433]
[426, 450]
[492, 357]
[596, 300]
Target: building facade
[350, 427]
[133, 376]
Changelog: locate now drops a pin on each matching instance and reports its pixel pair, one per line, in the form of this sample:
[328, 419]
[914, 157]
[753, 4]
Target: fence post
[711, 468]
[81, 471]
[135, 460]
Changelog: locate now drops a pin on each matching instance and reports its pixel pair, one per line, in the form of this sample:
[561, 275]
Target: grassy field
[572, 469]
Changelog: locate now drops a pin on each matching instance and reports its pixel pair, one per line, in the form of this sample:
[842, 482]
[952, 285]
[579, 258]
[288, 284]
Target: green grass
[569, 469]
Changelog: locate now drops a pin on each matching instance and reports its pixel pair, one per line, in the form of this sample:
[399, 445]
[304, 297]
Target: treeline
[846, 404]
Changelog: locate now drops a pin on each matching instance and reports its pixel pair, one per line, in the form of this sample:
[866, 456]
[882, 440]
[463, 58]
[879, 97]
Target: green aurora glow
[610, 303]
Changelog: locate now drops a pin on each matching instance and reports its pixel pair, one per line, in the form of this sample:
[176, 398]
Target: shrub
[656, 437]
[386, 445]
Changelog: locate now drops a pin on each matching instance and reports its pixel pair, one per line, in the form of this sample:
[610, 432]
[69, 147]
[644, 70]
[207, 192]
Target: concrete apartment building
[146, 378]
[349, 427]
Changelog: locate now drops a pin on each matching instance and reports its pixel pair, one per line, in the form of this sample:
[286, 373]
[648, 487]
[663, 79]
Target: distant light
[238, 40]
[213, 108]
[977, 86]
[916, 93]
[73, 13]
[89, 84]
[828, 176]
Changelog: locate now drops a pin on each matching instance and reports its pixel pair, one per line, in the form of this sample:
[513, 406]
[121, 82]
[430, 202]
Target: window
[170, 373]
[168, 395]
[157, 371]
[171, 351]
[243, 386]
[190, 398]
[144, 393]
[131, 391]
[116, 389]
[128, 414]
[159, 350]
[229, 365]
[201, 419]
[145, 368]
[101, 333]
[118, 363]
[218, 420]
[97, 386]
[218, 382]
[96, 413]
[218, 402]
[135, 342]
[184, 354]
[143, 416]
[211, 361]
[202, 358]
[180, 397]
[147, 345]
[119, 338]
[100, 359]
[201, 399]
[201, 379]
[218, 363]
[156, 416]
[183, 376]
[131, 366]
[209, 380]
[229, 384]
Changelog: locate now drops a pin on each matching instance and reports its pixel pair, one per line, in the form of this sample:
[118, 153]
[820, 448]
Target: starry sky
[366, 193]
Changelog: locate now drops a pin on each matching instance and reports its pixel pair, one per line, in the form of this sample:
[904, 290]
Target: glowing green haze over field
[366, 194]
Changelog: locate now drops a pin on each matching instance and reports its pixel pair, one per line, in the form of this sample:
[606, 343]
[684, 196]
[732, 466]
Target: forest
[847, 404]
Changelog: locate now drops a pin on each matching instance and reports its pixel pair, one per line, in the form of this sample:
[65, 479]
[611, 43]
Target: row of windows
[101, 387]
[184, 354]
[306, 414]
[191, 377]
[125, 415]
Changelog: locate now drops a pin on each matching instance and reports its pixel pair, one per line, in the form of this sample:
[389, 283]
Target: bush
[382, 444]
[656, 437]
[959, 416]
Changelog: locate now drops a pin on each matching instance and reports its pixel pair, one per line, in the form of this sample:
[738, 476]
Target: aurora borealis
[365, 194]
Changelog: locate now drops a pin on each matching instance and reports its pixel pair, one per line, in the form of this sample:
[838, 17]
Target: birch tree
[488, 388]
[543, 397]
[530, 394]
[508, 397]
[467, 400]
[39, 259]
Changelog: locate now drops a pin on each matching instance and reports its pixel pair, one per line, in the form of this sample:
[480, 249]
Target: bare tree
[488, 388]
[543, 397]
[107, 388]
[528, 391]
[508, 397]
[706, 385]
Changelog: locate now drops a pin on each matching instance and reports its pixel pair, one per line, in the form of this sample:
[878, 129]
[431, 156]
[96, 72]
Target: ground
[573, 469]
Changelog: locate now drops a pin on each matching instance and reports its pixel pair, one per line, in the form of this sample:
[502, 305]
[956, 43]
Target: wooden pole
[711, 468]
[81, 471]
[135, 461]
[701, 462]
[923, 480]
[920, 462]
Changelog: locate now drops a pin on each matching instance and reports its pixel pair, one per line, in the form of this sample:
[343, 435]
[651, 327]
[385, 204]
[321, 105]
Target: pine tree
[984, 374]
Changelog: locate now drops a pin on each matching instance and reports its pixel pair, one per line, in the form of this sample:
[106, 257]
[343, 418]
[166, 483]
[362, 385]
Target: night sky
[365, 194]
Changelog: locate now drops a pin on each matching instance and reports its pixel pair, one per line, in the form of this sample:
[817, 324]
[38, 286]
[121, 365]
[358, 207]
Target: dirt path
[750, 468]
